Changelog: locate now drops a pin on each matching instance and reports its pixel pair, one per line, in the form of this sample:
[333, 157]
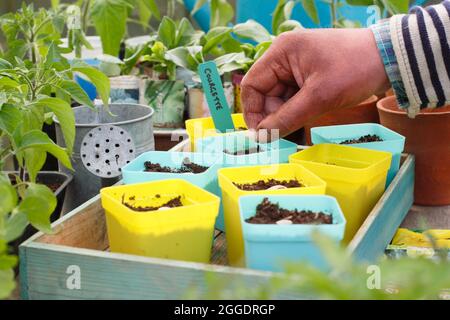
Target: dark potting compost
[244, 151]
[172, 203]
[271, 213]
[186, 167]
[264, 185]
[363, 139]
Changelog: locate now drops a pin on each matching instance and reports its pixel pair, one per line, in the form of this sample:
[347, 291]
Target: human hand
[306, 73]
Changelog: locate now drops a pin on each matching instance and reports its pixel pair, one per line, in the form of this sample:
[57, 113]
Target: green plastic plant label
[215, 96]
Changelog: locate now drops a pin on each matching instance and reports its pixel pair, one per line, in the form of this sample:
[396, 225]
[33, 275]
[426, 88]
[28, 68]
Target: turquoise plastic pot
[270, 246]
[392, 141]
[271, 153]
[134, 172]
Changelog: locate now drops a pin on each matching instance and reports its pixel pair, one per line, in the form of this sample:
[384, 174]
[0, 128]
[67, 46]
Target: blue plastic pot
[270, 246]
[270, 153]
[134, 172]
[392, 141]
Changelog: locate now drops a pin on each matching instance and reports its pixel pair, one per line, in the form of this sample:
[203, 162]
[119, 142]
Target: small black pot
[47, 177]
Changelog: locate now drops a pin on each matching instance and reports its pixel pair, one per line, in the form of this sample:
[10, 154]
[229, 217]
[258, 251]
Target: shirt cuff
[381, 32]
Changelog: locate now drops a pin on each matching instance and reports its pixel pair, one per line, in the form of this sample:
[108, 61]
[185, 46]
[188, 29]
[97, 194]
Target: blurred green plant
[35, 86]
[403, 279]
[29, 32]
[386, 7]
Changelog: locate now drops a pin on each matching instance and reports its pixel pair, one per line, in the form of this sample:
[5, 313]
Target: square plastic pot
[226, 145]
[270, 246]
[392, 141]
[355, 176]
[181, 233]
[231, 193]
[204, 127]
[134, 171]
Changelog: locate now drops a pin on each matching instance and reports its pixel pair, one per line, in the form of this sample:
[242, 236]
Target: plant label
[215, 96]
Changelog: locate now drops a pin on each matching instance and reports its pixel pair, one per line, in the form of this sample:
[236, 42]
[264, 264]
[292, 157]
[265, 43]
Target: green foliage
[221, 12]
[35, 86]
[29, 32]
[390, 7]
[406, 278]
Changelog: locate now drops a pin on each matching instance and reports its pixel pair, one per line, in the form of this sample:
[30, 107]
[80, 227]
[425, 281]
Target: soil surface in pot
[186, 167]
[264, 185]
[271, 213]
[172, 203]
[51, 185]
[244, 152]
[363, 139]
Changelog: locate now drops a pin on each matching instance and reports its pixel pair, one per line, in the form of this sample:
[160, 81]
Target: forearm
[416, 55]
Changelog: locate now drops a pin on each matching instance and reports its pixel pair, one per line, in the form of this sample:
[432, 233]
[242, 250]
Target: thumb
[304, 106]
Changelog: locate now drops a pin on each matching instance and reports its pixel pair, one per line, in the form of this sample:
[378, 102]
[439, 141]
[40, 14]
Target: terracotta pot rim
[381, 106]
[368, 102]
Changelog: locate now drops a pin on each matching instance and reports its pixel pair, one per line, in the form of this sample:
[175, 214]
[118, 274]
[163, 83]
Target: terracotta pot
[428, 138]
[365, 112]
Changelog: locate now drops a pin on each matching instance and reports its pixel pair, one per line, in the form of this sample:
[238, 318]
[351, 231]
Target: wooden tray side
[380, 226]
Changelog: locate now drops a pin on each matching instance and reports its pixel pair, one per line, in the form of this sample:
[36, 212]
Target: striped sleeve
[421, 44]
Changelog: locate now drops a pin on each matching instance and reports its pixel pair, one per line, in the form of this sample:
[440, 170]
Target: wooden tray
[79, 250]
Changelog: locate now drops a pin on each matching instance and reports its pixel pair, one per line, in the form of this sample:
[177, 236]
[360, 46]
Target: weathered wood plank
[380, 226]
[87, 229]
[106, 275]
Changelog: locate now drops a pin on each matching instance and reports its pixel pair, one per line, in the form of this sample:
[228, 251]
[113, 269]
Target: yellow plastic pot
[355, 177]
[181, 233]
[231, 193]
[204, 127]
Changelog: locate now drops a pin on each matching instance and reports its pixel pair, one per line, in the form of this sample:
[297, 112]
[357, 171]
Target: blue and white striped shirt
[416, 53]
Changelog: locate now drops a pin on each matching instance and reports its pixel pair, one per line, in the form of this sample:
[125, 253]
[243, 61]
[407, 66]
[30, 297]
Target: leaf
[34, 161]
[55, 3]
[10, 118]
[252, 30]
[360, 2]
[110, 59]
[167, 32]
[4, 64]
[186, 35]
[311, 10]
[15, 226]
[7, 261]
[278, 15]
[64, 113]
[8, 196]
[7, 283]
[74, 90]
[198, 5]
[110, 18]
[38, 204]
[153, 7]
[288, 25]
[215, 37]
[221, 13]
[396, 7]
[100, 80]
[38, 139]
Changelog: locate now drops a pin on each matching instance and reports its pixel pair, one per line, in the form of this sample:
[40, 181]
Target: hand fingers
[262, 80]
[306, 104]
